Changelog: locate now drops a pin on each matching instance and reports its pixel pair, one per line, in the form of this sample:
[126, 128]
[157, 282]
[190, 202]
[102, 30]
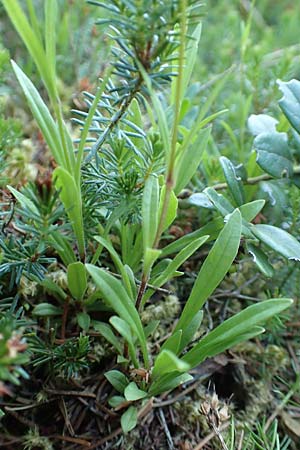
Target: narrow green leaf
[31, 40]
[278, 240]
[234, 182]
[71, 199]
[230, 331]
[118, 263]
[172, 208]
[124, 329]
[41, 114]
[190, 331]
[221, 203]
[52, 287]
[105, 330]
[117, 379]
[150, 208]
[261, 260]
[212, 229]
[189, 159]
[77, 281]
[173, 342]
[168, 382]
[133, 393]
[63, 247]
[129, 419]
[50, 36]
[150, 256]
[179, 259]
[116, 296]
[214, 268]
[25, 202]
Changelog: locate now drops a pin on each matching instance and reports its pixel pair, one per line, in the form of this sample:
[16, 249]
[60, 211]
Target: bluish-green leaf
[261, 123]
[290, 102]
[273, 154]
[279, 240]
[234, 182]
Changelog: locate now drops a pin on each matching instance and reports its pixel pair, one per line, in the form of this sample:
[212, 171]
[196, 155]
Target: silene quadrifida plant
[113, 195]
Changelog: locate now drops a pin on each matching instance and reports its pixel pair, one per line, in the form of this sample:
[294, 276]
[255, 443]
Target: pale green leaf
[133, 393]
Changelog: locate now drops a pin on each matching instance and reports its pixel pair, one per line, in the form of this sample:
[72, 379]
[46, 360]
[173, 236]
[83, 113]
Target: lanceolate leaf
[31, 40]
[41, 114]
[189, 160]
[117, 261]
[235, 329]
[71, 199]
[214, 268]
[234, 183]
[116, 296]
[179, 259]
[172, 207]
[168, 382]
[105, 330]
[261, 260]
[150, 209]
[77, 282]
[279, 240]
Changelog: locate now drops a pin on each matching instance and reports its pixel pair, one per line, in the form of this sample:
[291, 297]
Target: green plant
[144, 161]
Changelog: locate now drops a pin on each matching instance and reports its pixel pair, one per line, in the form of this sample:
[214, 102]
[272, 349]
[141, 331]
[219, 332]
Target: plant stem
[254, 180]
